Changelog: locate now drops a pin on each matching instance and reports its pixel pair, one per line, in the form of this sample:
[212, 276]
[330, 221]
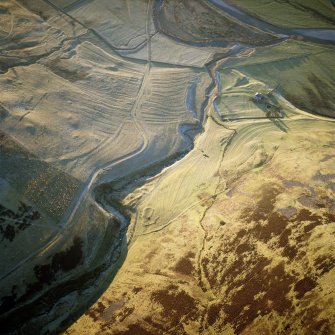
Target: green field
[298, 13]
[301, 71]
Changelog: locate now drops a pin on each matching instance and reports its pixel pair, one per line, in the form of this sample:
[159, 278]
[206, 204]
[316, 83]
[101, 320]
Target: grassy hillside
[302, 72]
[298, 13]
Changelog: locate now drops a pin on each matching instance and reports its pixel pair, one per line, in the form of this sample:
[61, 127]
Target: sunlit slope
[178, 191]
[272, 246]
[301, 13]
[302, 72]
[255, 230]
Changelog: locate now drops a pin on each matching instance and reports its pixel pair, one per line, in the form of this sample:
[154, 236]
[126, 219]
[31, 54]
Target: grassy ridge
[302, 71]
[297, 13]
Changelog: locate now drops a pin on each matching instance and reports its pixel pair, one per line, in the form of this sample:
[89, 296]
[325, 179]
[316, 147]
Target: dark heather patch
[213, 313]
[313, 323]
[109, 324]
[11, 223]
[264, 206]
[324, 264]
[239, 246]
[242, 248]
[283, 238]
[8, 233]
[184, 266]
[274, 283]
[311, 226]
[137, 289]
[290, 251]
[125, 313]
[321, 205]
[61, 261]
[190, 254]
[46, 273]
[241, 233]
[302, 237]
[303, 286]
[233, 270]
[70, 258]
[280, 285]
[275, 225]
[7, 303]
[205, 263]
[319, 327]
[247, 277]
[26, 311]
[95, 312]
[301, 255]
[329, 218]
[158, 326]
[177, 304]
[306, 215]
